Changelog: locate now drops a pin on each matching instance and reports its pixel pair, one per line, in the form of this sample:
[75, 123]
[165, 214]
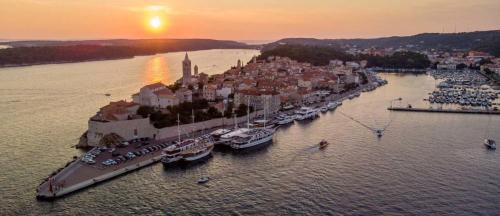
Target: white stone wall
[125, 129]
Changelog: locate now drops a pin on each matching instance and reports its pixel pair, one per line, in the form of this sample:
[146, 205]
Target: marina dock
[78, 175]
[490, 112]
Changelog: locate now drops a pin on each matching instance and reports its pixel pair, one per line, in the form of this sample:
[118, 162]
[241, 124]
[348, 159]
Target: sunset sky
[241, 20]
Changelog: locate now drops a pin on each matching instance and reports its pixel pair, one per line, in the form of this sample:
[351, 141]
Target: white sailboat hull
[252, 144]
[198, 156]
[171, 160]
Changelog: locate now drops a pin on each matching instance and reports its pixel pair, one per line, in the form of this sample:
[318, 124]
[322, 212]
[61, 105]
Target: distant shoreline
[62, 62]
[107, 59]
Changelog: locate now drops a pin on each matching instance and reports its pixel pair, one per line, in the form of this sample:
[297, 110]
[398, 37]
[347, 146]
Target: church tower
[196, 70]
[186, 71]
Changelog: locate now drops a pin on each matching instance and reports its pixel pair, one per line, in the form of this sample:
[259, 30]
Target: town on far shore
[274, 83]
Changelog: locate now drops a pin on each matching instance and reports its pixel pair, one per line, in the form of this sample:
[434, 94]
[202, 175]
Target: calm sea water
[426, 163]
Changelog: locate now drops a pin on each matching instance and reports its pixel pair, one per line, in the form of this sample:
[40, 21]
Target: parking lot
[103, 158]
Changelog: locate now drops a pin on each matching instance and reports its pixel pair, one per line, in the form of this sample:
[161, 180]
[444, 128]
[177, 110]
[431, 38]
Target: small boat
[324, 109]
[323, 144]
[107, 94]
[490, 144]
[332, 105]
[203, 180]
[379, 133]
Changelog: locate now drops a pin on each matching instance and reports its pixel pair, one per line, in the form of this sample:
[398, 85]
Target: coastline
[108, 59]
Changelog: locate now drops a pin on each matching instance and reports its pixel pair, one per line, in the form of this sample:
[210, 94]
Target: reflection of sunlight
[156, 70]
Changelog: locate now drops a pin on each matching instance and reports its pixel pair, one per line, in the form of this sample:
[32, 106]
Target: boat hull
[198, 156]
[490, 146]
[305, 117]
[170, 161]
[252, 144]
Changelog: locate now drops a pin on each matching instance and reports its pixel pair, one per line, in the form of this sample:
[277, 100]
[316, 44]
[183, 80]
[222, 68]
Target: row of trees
[200, 108]
[398, 60]
[321, 55]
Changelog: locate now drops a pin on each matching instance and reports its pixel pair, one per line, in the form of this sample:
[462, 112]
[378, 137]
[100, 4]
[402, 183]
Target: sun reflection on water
[157, 71]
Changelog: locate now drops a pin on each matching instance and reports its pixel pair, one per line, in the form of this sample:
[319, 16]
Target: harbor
[80, 173]
[101, 163]
[292, 167]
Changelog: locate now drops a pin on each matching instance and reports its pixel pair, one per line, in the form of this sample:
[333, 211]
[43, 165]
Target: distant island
[23, 53]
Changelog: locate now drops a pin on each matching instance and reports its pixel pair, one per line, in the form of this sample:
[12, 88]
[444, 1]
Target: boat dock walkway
[490, 112]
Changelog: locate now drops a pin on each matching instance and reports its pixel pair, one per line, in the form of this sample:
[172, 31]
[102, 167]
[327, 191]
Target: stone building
[186, 71]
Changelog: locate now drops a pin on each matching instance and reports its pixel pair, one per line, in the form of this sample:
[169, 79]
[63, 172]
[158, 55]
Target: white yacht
[252, 137]
[306, 113]
[228, 137]
[285, 119]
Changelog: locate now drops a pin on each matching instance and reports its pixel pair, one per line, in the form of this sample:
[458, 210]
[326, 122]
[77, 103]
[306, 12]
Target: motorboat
[323, 144]
[324, 109]
[203, 180]
[490, 144]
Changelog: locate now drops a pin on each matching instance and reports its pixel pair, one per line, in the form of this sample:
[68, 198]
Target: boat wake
[373, 129]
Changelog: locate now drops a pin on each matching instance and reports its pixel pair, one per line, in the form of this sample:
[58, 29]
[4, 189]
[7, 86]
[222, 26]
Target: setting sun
[155, 22]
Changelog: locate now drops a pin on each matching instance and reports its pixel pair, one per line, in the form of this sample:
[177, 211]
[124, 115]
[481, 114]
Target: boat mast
[235, 124]
[248, 113]
[192, 128]
[265, 110]
[223, 112]
[178, 128]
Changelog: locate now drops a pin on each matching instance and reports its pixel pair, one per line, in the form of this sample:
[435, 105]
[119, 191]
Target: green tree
[145, 111]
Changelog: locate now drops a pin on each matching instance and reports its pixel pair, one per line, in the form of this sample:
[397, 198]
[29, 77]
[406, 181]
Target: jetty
[465, 111]
[78, 175]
